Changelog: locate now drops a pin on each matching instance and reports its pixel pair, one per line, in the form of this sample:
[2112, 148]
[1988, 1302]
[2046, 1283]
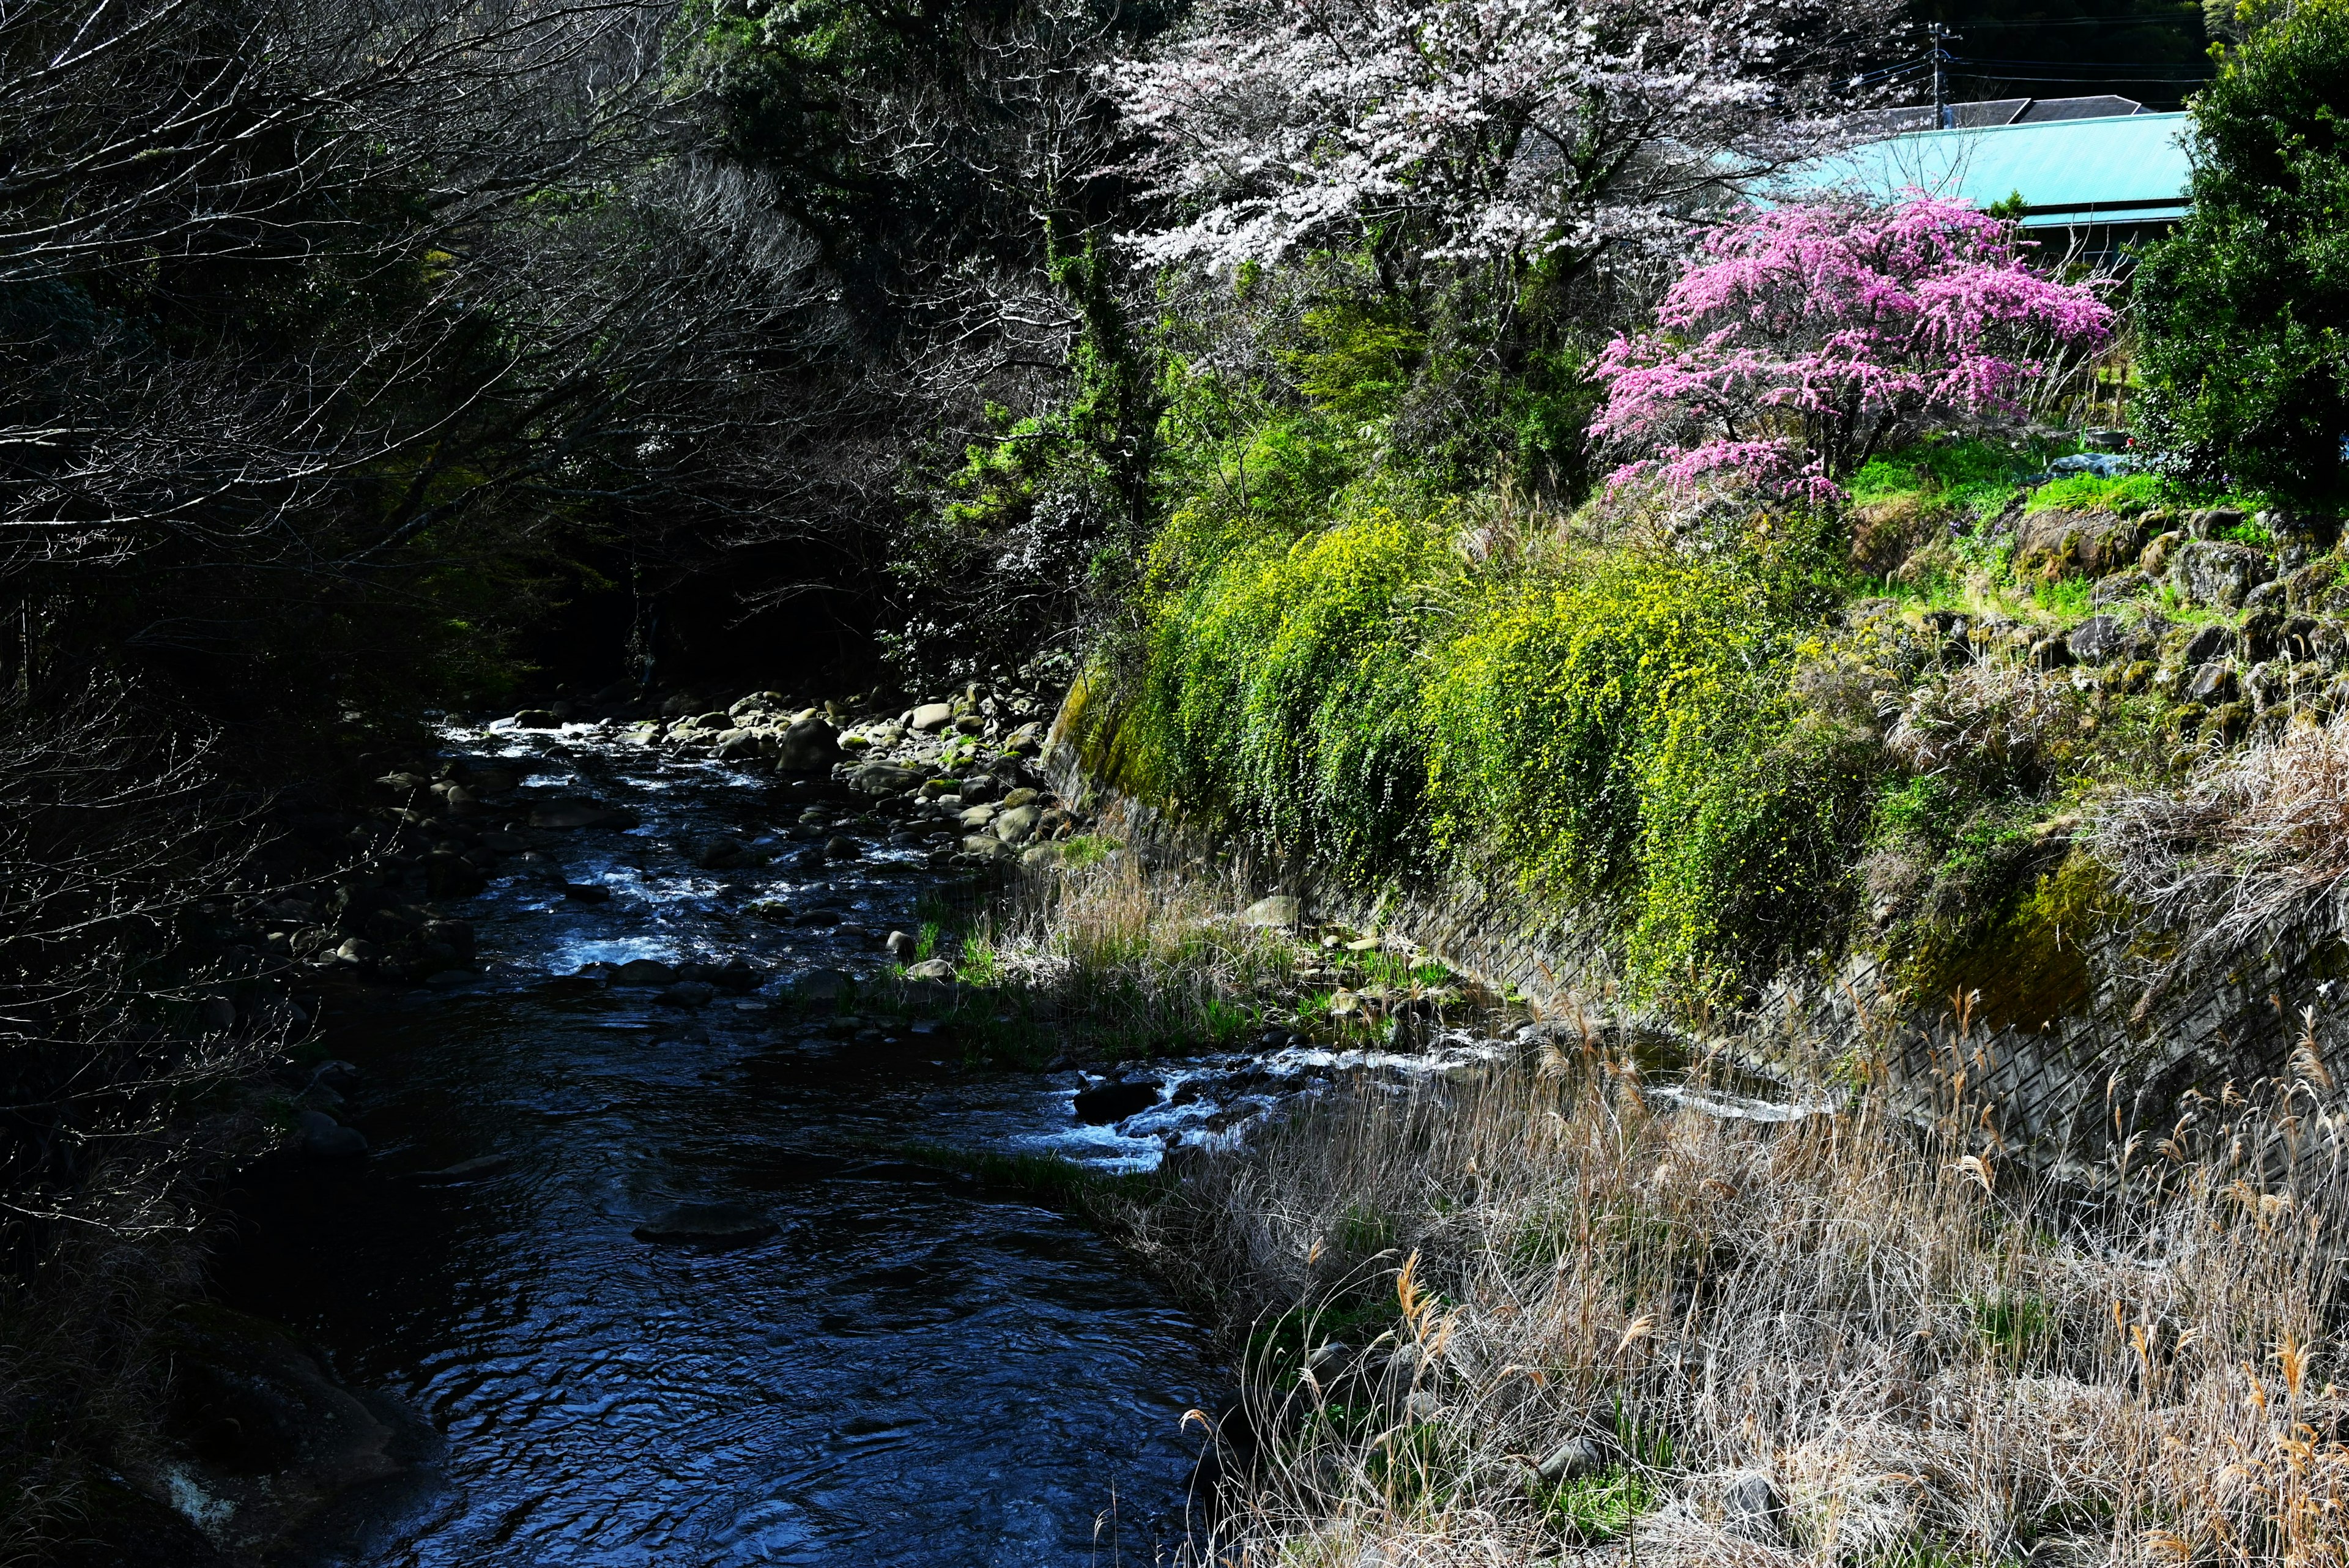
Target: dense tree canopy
[2243, 306]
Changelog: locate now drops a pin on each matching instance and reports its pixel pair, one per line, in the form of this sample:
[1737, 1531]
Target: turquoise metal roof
[2127, 168]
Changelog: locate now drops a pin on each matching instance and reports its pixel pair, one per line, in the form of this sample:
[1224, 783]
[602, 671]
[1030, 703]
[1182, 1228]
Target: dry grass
[1110, 960]
[2260, 837]
[1990, 712]
[1925, 1358]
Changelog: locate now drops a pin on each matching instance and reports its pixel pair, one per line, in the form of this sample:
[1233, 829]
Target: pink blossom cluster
[1491, 129]
[1810, 337]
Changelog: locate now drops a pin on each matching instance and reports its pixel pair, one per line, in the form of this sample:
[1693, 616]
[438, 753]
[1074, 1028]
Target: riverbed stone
[581, 813]
[706, 1225]
[809, 746]
[930, 968]
[537, 719]
[900, 946]
[688, 994]
[323, 1138]
[1114, 1101]
[721, 852]
[644, 971]
[823, 985]
[1017, 825]
[931, 717]
[987, 847]
[884, 778]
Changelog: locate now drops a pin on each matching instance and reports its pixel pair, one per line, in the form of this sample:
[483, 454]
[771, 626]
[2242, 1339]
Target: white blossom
[1481, 129]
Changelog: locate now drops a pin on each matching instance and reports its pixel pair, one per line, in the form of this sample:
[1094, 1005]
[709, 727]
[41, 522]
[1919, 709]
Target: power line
[2077, 79]
[2132, 22]
[2091, 65]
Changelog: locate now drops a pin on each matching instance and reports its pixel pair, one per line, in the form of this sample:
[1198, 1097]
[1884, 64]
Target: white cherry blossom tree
[1494, 130]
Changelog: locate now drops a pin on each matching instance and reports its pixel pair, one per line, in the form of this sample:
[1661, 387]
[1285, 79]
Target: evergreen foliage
[2242, 308]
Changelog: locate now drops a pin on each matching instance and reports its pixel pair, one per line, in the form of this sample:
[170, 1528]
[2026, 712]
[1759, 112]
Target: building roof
[2111, 168]
[1993, 112]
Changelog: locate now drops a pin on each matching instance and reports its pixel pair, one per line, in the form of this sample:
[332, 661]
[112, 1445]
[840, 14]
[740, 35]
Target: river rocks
[1017, 825]
[841, 847]
[537, 719]
[988, 849]
[900, 946]
[706, 1225]
[978, 818]
[644, 971]
[822, 985]
[323, 1137]
[883, 778]
[688, 994]
[1113, 1101]
[260, 1434]
[809, 746]
[721, 852]
[931, 717]
[581, 813]
[930, 968]
[358, 950]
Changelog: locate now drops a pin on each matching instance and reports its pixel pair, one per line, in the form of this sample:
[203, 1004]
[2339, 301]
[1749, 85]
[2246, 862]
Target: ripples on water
[909, 1371]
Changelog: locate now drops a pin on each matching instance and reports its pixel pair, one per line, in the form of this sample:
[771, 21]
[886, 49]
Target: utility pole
[1943, 115]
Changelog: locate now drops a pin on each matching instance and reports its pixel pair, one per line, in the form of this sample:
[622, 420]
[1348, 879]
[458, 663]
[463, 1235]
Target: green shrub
[2246, 370]
[1626, 731]
[1616, 727]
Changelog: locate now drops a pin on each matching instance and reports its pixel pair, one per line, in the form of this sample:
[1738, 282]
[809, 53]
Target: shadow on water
[908, 1370]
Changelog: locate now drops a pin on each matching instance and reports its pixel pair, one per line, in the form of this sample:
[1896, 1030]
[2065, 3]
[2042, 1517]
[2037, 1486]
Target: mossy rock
[2029, 968]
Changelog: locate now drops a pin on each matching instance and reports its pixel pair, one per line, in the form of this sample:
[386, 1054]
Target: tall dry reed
[1835, 1338]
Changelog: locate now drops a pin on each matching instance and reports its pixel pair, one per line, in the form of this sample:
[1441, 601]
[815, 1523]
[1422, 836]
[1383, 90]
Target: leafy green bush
[1618, 728]
[2247, 372]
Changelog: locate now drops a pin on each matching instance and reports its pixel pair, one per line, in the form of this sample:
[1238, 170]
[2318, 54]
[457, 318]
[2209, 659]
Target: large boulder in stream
[1113, 1101]
[809, 746]
[259, 1436]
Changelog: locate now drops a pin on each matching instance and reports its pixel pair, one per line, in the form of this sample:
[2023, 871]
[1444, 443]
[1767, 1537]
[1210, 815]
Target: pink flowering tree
[1808, 339]
[1491, 130]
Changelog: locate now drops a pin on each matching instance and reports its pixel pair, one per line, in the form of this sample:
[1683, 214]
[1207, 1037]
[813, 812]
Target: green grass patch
[1591, 1510]
[2124, 494]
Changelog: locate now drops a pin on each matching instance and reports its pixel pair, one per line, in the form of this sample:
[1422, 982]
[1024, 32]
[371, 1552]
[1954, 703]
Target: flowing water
[910, 1370]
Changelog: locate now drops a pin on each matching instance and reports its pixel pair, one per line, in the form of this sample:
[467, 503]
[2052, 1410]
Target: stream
[908, 1370]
